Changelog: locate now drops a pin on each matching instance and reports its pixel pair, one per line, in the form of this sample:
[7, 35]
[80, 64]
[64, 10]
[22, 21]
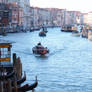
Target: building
[25, 5]
[4, 1]
[39, 17]
[5, 17]
[85, 16]
[15, 16]
[89, 18]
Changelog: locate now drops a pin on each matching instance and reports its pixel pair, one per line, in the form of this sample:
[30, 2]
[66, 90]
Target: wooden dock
[11, 76]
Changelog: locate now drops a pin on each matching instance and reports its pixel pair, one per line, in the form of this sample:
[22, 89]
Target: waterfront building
[73, 17]
[39, 17]
[4, 1]
[85, 16]
[79, 17]
[34, 17]
[44, 17]
[15, 16]
[5, 17]
[56, 16]
[89, 18]
[25, 5]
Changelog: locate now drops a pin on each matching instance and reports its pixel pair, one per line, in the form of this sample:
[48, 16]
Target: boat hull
[40, 51]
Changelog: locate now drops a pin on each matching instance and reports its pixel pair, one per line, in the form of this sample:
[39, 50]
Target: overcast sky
[80, 5]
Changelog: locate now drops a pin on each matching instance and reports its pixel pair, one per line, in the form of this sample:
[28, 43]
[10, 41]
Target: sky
[77, 5]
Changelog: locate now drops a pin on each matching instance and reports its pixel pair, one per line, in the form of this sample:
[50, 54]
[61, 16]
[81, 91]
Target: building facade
[25, 5]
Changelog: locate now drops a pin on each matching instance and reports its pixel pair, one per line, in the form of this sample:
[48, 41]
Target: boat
[77, 34]
[35, 29]
[44, 29]
[28, 87]
[21, 80]
[89, 33]
[40, 50]
[42, 33]
[6, 75]
[90, 38]
[69, 28]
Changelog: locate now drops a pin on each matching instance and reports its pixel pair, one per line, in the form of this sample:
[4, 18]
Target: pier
[11, 74]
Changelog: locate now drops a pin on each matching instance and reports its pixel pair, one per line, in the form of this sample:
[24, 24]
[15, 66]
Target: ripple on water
[68, 68]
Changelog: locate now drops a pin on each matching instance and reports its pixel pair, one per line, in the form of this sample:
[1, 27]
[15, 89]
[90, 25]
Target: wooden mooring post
[15, 85]
[14, 58]
[17, 66]
[1, 87]
[9, 86]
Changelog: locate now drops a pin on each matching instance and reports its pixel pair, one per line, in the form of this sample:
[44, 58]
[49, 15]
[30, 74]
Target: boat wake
[56, 51]
[24, 52]
[37, 55]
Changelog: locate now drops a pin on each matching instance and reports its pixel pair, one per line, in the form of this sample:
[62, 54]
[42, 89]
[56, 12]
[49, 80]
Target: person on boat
[39, 43]
[43, 29]
[39, 46]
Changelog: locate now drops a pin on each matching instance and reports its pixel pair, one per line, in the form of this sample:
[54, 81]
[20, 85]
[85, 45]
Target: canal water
[68, 67]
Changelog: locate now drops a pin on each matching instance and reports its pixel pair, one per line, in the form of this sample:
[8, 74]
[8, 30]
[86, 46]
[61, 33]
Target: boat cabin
[5, 55]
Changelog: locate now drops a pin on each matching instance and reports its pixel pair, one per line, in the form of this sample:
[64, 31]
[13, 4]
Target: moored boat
[77, 34]
[28, 87]
[21, 80]
[4, 75]
[69, 28]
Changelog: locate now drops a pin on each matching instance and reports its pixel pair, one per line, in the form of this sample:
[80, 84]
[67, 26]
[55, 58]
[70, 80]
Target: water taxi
[40, 50]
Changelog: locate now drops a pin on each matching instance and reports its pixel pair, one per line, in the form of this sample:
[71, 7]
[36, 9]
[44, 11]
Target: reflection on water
[68, 67]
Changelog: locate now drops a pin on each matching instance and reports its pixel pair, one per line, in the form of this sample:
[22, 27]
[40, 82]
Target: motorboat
[40, 50]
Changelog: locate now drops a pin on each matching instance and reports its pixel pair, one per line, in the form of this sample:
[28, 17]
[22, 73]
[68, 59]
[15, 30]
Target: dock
[11, 74]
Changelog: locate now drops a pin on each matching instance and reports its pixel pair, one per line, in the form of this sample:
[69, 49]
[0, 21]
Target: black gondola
[21, 80]
[27, 87]
[10, 74]
[6, 76]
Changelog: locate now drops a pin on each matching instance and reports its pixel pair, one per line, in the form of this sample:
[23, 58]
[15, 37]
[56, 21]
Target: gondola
[21, 80]
[6, 76]
[28, 87]
[10, 74]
